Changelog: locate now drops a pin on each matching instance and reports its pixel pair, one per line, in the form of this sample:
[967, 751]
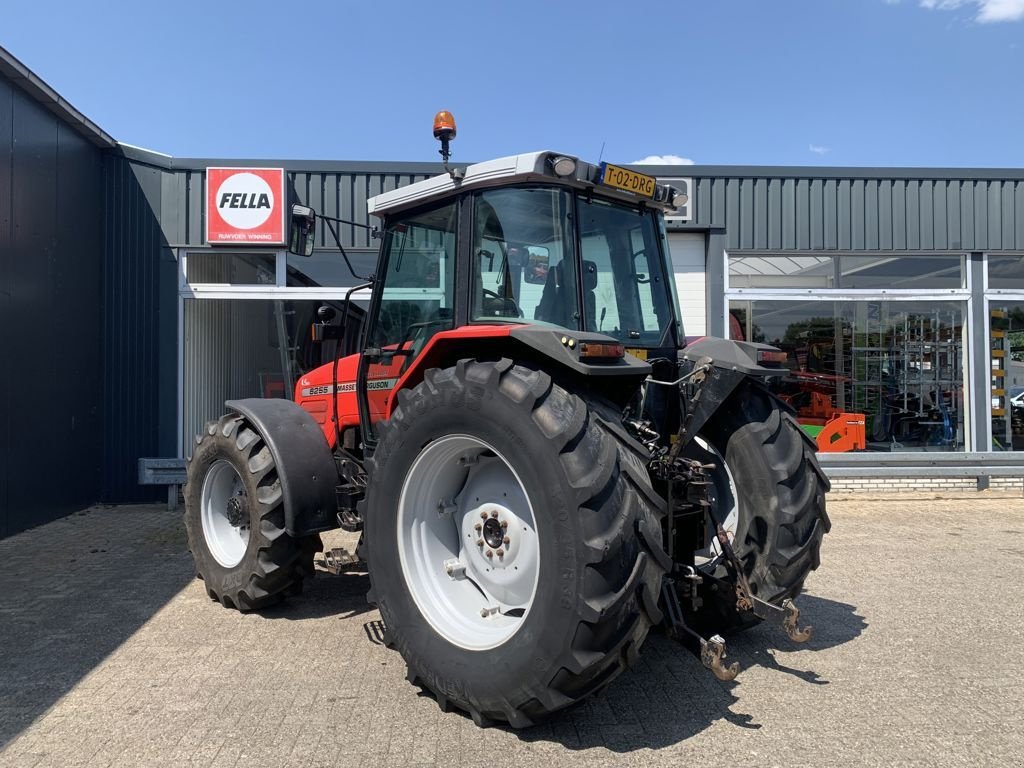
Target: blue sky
[817, 82]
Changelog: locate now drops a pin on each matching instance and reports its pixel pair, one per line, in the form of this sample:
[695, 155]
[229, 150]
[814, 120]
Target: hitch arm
[712, 649]
[786, 617]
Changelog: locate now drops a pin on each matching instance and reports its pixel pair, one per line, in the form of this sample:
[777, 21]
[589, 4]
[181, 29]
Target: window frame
[964, 294]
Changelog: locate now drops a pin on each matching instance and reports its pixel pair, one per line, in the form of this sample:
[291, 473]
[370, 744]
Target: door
[416, 289]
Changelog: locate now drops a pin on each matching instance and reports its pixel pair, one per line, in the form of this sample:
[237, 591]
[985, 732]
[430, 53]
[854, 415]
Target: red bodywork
[313, 390]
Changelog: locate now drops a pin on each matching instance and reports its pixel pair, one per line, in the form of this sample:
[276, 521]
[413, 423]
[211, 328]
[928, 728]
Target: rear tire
[244, 556]
[597, 534]
[779, 491]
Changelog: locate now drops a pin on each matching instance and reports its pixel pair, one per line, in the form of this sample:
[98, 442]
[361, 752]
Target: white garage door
[688, 261]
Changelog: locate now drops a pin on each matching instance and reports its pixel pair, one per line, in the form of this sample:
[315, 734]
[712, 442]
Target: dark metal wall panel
[6, 255]
[1018, 215]
[50, 276]
[813, 213]
[132, 327]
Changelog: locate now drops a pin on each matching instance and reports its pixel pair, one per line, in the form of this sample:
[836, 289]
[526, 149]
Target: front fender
[732, 355]
[303, 459]
[728, 363]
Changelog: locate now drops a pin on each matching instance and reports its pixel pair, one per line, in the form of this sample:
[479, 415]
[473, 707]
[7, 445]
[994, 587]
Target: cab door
[414, 299]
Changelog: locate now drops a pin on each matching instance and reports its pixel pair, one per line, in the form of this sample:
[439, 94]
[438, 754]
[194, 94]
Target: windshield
[624, 291]
[526, 268]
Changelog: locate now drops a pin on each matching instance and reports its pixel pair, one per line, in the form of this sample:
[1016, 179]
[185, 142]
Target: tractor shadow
[327, 595]
[670, 697]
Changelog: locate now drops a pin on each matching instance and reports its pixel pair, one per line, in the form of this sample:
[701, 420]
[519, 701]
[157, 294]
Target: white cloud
[818, 149]
[988, 11]
[663, 160]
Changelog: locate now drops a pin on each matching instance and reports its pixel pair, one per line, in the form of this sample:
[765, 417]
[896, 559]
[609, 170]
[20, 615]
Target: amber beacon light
[444, 125]
[444, 131]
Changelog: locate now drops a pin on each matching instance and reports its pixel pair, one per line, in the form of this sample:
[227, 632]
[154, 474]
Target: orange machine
[833, 430]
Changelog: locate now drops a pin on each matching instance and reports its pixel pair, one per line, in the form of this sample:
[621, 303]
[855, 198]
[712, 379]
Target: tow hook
[712, 651]
[786, 617]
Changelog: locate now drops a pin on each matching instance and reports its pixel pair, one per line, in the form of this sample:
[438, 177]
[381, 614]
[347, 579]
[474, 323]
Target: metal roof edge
[829, 172]
[41, 92]
[314, 166]
[399, 168]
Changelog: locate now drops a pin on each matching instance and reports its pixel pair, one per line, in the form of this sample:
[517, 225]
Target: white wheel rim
[468, 543]
[713, 549]
[225, 514]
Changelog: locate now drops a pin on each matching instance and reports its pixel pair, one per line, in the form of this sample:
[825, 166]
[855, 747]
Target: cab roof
[527, 167]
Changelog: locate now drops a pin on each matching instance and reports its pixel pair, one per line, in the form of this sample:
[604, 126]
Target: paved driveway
[111, 654]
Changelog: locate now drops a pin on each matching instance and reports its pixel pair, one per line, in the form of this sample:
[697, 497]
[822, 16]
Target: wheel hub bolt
[504, 523]
[490, 553]
[479, 542]
[506, 541]
[483, 515]
[477, 527]
[235, 512]
[494, 513]
[501, 553]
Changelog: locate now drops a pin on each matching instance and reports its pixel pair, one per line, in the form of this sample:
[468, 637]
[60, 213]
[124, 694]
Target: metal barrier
[169, 472]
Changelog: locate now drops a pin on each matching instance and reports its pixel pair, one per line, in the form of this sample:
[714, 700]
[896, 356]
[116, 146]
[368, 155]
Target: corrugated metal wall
[50, 298]
[139, 328]
[765, 213]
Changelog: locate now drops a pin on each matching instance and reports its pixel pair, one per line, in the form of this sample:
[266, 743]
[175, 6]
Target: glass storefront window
[1006, 273]
[1006, 355]
[846, 272]
[222, 268]
[328, 268]
[895, 366]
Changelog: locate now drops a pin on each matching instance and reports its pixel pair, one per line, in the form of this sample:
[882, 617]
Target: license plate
[630, 181]
[637, 352]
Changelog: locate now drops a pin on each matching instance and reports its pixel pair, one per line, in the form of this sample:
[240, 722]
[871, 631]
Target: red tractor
[542, 470]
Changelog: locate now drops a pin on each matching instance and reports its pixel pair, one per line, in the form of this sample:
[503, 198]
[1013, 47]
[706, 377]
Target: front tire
[501, 440]
[769, 490]
[234, 517]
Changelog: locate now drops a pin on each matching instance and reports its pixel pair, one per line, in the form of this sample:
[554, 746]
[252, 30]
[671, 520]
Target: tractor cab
[544, 239]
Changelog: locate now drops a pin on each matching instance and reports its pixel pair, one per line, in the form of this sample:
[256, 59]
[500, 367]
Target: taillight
[590, 349]
[771, 356]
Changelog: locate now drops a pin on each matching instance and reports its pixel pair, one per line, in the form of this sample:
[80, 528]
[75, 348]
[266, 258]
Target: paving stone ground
[112, 654]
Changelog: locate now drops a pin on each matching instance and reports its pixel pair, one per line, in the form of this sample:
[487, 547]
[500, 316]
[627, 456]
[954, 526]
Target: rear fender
[728, 363]
[616, 379]
[304, 462]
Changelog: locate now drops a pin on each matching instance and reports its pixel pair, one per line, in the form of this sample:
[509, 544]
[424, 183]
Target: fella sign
[245, 206]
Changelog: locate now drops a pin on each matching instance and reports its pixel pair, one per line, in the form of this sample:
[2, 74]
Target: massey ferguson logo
[245, 205]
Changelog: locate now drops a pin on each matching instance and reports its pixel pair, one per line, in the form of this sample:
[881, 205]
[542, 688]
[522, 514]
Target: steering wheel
[641, 280]
[507, 305]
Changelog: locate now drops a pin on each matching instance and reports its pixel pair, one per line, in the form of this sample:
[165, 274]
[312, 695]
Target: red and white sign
[245, 206]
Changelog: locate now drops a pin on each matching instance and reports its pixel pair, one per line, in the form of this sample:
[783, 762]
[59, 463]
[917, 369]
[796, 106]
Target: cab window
[523, 270]
[624, 292]
[416, 300]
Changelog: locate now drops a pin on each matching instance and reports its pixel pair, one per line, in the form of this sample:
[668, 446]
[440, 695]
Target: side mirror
[303, 230]
[536, 270]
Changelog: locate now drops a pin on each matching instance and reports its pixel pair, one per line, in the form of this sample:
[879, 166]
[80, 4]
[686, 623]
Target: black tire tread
[280, 562]
[617, 601]
[779, 539]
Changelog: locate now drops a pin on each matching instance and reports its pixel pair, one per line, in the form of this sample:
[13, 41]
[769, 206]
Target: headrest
[589, 275]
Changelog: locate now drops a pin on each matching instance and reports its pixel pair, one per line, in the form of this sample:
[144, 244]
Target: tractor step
[339, 560]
